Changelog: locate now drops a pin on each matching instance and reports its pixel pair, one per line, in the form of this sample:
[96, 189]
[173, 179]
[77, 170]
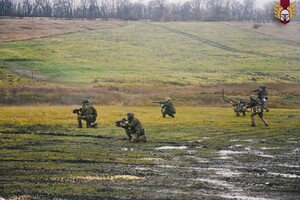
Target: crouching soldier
[240, 106]
[167, 108]
[257, 109]
[87, 113]
[134, 129]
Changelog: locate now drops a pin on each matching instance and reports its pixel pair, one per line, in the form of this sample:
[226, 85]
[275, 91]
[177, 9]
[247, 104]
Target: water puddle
[229, 152]
[284, 175]
[290, 166]
[178, 167]
[225, 172]
[127, 149]
[236, 140]
[242, 197]
[216, 182]
[265, 156]
[270, 148]
[171, 147]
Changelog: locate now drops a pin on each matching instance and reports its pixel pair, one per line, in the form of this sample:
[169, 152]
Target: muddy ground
[86, 166]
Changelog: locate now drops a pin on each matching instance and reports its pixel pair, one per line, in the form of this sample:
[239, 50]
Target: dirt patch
[30, 73]
[24, 29]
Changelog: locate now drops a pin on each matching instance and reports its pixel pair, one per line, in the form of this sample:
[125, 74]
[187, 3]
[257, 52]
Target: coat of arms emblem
[284, 11]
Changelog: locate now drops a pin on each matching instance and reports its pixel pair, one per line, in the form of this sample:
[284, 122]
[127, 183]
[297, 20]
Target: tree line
[155, 10]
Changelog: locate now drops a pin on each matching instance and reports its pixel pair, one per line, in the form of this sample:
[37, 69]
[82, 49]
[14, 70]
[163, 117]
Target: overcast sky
[258, 2]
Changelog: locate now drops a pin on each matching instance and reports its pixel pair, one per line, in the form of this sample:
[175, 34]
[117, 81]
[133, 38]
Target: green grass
[44, 155]
[157, 53]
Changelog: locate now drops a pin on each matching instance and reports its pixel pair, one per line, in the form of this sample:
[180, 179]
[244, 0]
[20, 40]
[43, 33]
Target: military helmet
[130, 115]
[85, 101]
[262, 87]
[168, 99]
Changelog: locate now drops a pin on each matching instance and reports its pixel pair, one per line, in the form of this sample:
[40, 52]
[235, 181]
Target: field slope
[141, 53]
[130, 63]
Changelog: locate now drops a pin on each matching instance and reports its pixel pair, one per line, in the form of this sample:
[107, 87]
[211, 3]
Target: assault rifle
[255, 90]
[160, 102]
[121, 123]
[77, 111]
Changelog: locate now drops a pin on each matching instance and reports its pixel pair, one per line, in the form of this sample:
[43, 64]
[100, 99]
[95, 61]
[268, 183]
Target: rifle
[77, 111]
[121, 123]
[255, 90]
[160, 102]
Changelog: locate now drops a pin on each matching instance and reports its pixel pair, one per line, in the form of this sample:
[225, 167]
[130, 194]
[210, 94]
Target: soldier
[257, 108]
[239, 106]
[88, 113]
[134, 129]
[167, 108]
[262, 94]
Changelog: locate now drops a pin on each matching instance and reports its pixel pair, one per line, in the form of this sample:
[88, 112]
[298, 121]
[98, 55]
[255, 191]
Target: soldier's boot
[164, 115]
[253, 125]
[172, 115]
[94, 125]
[143, 138]
[237, 114]
[129, 136]
[265, 121]
[244, 114]
[79, 122]
[88, 124]
[252, 120]
[135, 138]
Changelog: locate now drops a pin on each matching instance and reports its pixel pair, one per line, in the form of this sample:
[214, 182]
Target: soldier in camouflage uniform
[262, 94]
[257, 109]
[239, 106]
[134, 129]
[87, 113]
[167, 108]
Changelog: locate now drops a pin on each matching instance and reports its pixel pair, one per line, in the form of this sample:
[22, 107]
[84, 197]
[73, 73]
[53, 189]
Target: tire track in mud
[210, 42]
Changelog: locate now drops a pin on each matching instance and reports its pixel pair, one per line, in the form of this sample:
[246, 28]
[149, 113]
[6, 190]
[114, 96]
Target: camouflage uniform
[262, 94]
[257, 109]
[89, 114]
[167, 108]
[134, 129]
[240, 106]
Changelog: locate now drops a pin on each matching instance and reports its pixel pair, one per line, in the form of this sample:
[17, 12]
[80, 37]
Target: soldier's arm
[133, 123]
[95, 112]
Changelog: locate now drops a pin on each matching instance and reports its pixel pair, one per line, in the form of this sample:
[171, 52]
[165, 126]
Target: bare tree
[156, 9]
[249, 6]
[236, 10]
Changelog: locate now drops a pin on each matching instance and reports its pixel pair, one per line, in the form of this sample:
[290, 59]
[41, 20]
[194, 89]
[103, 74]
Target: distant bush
[256, 26]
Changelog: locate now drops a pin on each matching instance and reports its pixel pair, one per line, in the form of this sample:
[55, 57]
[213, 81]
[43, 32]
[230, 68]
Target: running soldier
[257, 109]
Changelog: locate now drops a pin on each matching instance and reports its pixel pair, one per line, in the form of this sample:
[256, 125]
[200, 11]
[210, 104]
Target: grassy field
[206, 152]
[203, 153]
[144, 54]
[135, 63]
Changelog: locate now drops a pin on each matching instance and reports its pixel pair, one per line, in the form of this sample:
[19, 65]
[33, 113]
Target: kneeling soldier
[134, 129]
[88, 113]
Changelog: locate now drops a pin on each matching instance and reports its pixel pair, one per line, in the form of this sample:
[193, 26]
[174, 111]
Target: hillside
[155, 58]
